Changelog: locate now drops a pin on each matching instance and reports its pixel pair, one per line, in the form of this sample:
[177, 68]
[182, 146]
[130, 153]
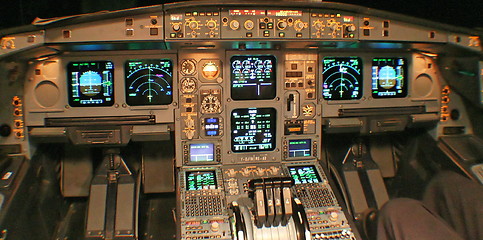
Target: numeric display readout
[253, 129]
[200, 180]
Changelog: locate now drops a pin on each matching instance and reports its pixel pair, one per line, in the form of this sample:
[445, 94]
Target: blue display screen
[201, 152]
[90, 83]
[299, 148]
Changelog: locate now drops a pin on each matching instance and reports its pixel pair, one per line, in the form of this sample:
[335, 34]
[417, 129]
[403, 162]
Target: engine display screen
[202, 152]
[200, 180]
[299, 148]
[253, 129]
[149, 82]
[304, 174]
[90, 83]
[342, 78]
[389, 78]
[253, 77]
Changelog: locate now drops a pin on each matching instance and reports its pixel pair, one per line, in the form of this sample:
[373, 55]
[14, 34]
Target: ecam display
[253, 77]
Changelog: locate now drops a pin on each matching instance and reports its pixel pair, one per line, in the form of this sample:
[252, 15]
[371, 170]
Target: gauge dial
[210, 70]
[210, 104]
[342, 78]
[149, 82]
[188, 85]
[188, 67]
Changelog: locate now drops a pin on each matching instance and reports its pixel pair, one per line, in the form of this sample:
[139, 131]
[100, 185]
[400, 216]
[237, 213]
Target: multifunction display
[299, 148]
[342, 78]
[253, 77]
[200, 180]
[90, 83]
[202, 152]
[149, 82]
[253, 129]
[389, 77]
[304, 174]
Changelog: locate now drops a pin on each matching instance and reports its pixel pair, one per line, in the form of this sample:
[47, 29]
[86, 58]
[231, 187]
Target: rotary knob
[249, 24]
[282, 25]
[298, 25]
[211, 24]
[350, 28]
[318, 25]
[234, 25]
[176, 27]
[193, 25]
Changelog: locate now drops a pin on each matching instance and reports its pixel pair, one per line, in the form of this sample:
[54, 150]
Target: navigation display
[253, 77]
[253, 129]
[342, 78]
[202, 152]
[389, 78]
[149, 82]
[90, 83]
[304, 174]
[200, 180]
[299, 148]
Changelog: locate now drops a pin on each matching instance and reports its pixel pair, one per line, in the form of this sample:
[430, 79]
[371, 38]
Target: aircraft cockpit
[230, 120]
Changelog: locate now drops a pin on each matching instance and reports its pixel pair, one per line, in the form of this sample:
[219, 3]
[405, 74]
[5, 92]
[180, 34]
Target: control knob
[176, 27]
[211, 24]
[318, 25]
[249, 24]
[282, 25]
[215, 226]
[350, 28]
[298, 25]
[333, 216]
[234, 24]
[193, 25]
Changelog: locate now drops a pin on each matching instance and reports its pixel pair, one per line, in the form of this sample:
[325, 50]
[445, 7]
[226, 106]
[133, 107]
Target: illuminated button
[266, 33]
[249, 35]
[298, 35]
[281, 34]
[270, 25]
[172, 35]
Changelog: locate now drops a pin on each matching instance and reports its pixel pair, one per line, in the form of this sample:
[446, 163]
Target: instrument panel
[246, 94]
